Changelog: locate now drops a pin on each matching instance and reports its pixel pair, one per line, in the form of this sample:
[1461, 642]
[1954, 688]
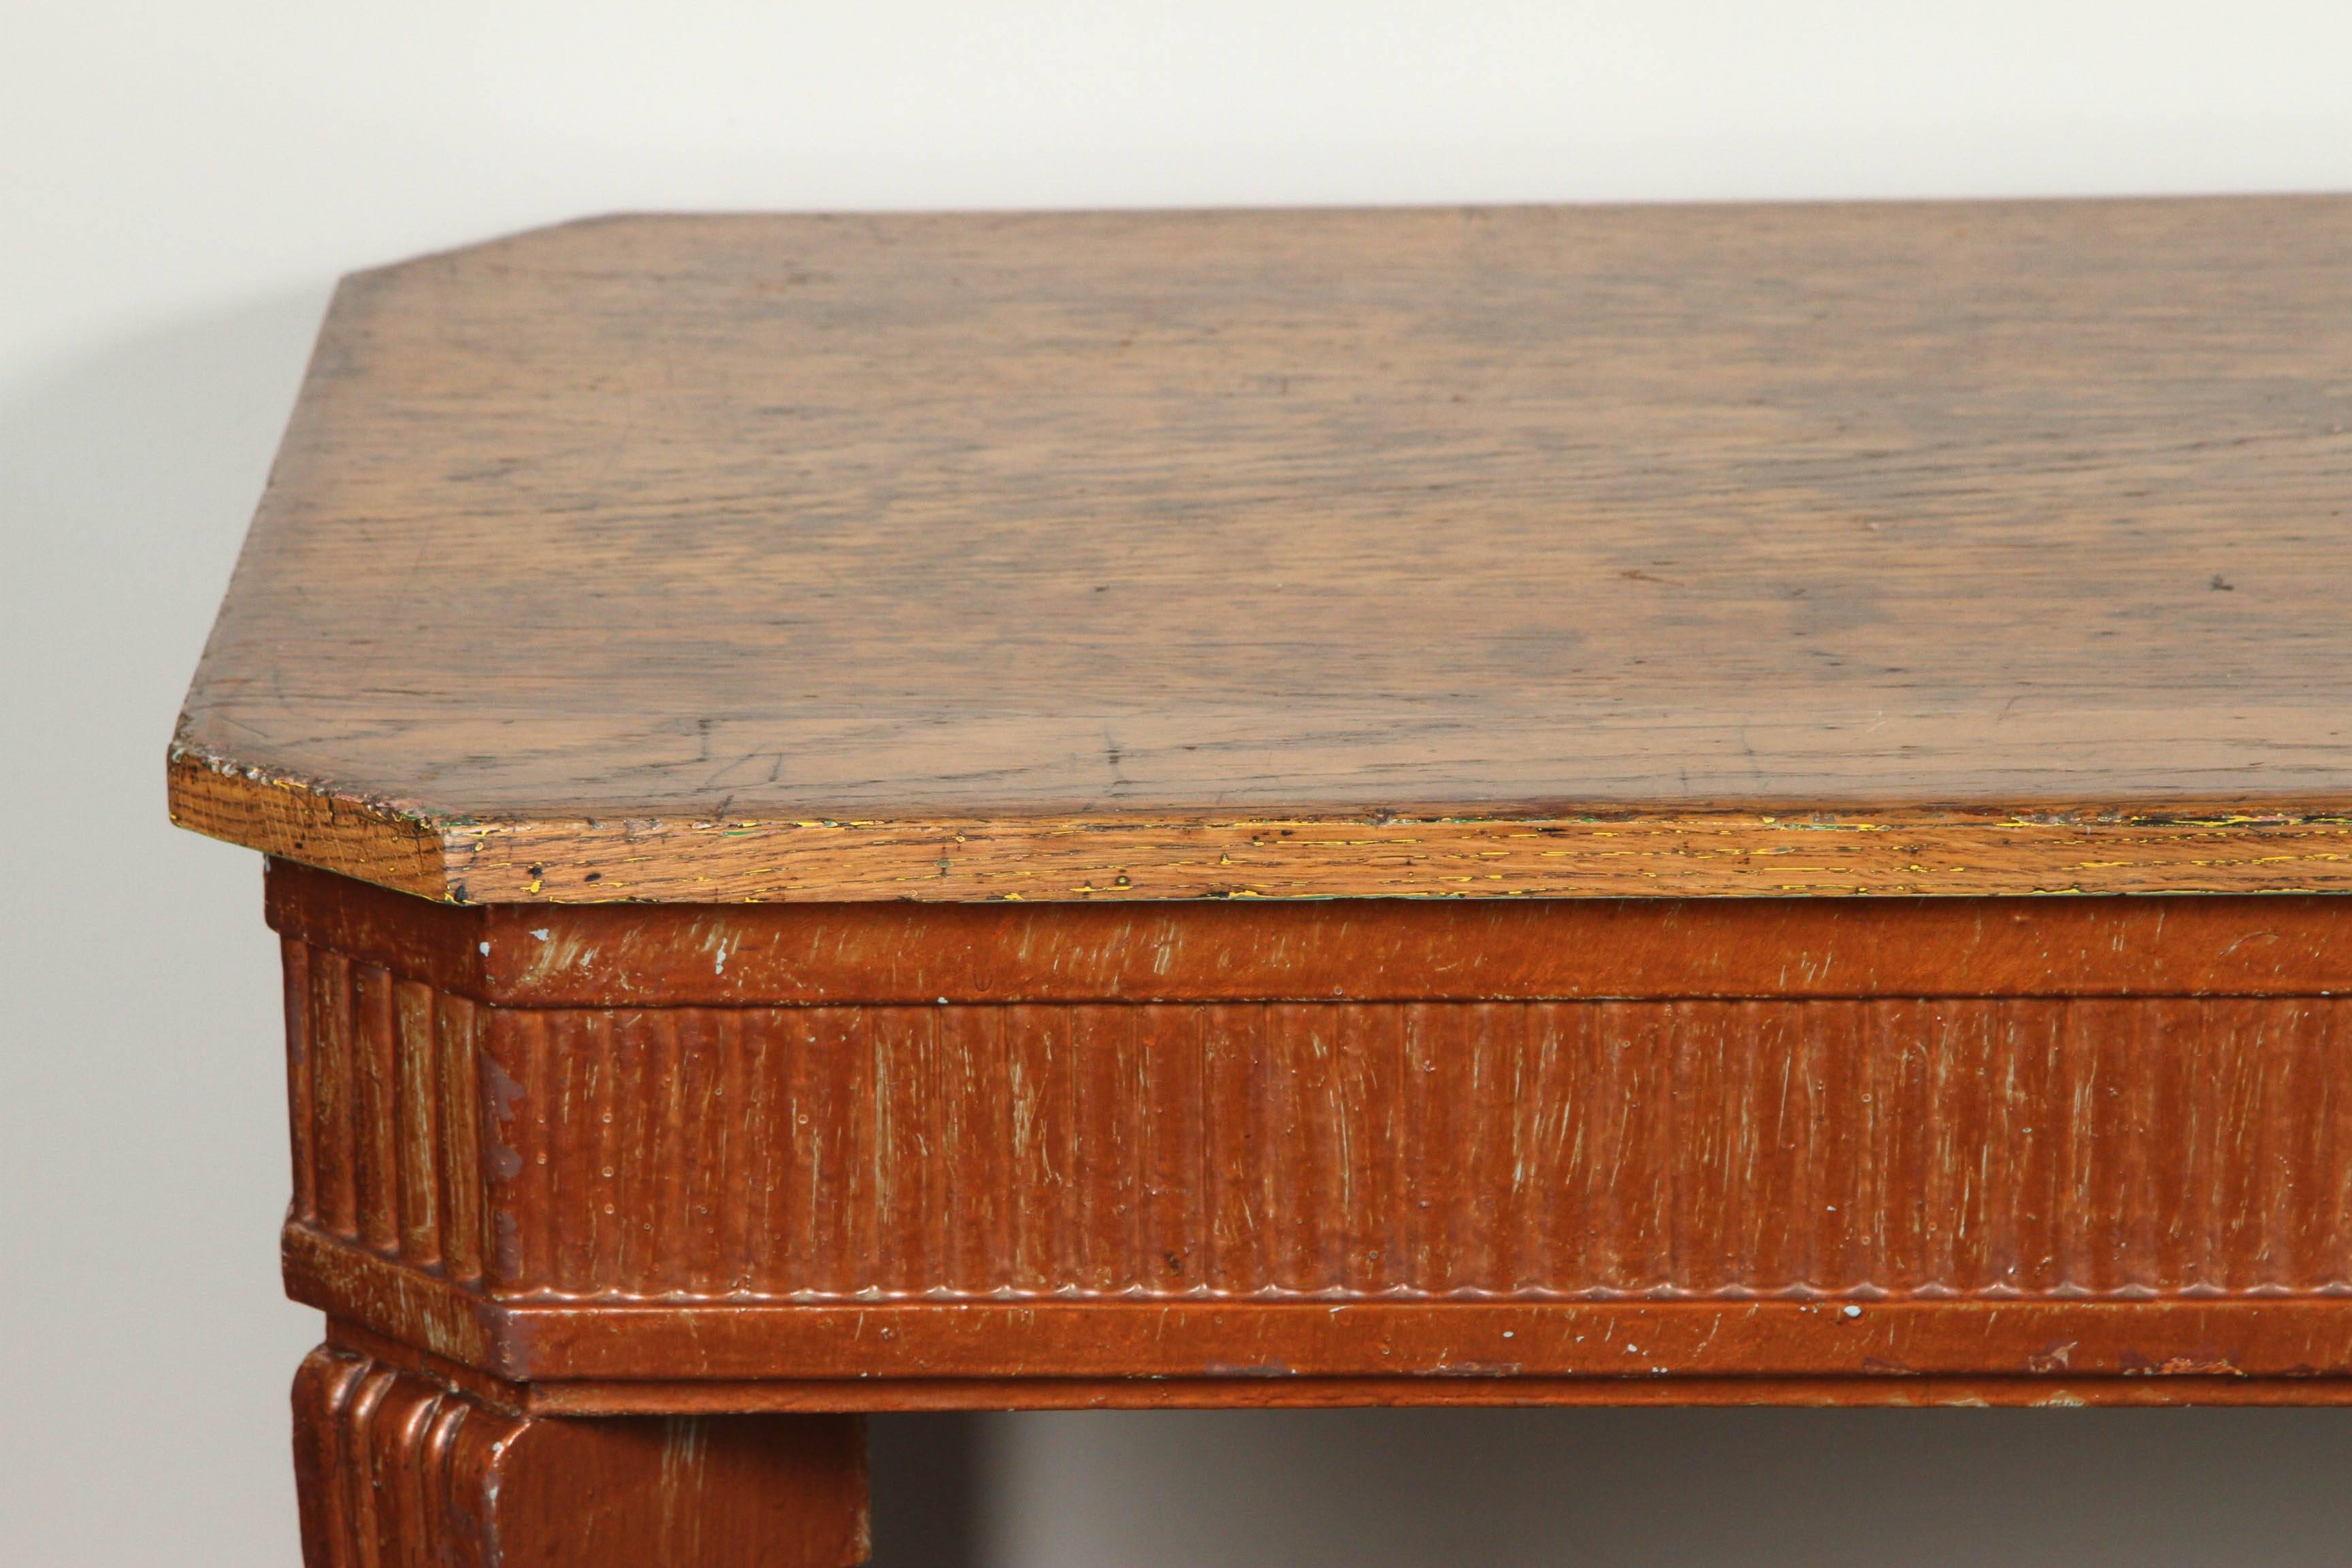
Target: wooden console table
[1290, 808]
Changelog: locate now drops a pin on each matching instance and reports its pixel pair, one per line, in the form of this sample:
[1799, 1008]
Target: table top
[1890, 548]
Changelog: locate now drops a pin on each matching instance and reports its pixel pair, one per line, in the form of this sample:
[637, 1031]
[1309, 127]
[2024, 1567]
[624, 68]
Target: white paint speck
[1854, 1312]
[540, 933]
[1507, 1333]
[486, 949]
[943, 1001]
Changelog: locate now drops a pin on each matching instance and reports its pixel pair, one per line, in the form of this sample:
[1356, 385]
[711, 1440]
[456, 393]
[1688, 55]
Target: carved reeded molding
[396, 1468]
[2007, 1148]
[834, 1144]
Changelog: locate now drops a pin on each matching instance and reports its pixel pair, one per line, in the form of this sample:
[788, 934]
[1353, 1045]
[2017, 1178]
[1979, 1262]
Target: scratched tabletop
[1687, 551]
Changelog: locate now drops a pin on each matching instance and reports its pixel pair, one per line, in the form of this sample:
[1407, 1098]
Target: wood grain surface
[1808, 549]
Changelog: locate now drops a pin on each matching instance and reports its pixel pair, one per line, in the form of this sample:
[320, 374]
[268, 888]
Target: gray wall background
[179, 186]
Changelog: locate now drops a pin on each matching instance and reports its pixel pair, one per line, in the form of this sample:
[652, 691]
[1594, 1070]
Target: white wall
[179, 184]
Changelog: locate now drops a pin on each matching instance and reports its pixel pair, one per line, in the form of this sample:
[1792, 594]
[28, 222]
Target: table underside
[701, 1158]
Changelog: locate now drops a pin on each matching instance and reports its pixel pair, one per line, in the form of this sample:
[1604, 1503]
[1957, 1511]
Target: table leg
[399, 1469]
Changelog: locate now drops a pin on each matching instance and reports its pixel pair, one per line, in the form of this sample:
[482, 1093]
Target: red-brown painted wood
[1985, 1175]
[1953, 1147]
[1363, 949]
[591, 1397]
[1244, 1345]
[397, 1469]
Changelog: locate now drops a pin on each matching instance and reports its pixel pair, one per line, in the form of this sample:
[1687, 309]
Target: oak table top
[1983, 548]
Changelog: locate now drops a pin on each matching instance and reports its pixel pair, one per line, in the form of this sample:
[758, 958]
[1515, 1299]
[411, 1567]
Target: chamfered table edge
[1798, 849]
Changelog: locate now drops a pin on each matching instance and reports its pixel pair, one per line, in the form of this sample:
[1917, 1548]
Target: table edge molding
[1802, 849]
